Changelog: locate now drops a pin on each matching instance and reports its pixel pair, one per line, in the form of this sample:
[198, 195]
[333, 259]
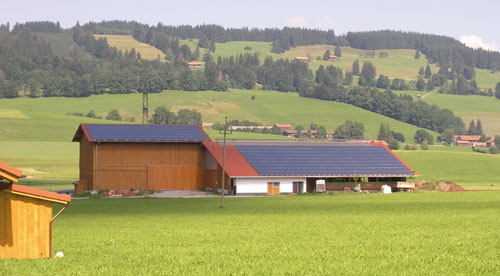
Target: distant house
[302, 59]
[490, 141]
[194, 64]
[467, 140]
[333, 57]
[283, 127]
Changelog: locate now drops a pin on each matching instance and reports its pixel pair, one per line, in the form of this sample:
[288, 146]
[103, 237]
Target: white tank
[386, 189]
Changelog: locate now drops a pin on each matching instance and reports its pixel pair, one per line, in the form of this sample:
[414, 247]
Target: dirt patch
[440, 186]
[449, 187]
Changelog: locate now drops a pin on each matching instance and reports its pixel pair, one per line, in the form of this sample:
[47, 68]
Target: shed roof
[37, 193]
[9, 173]
[140, 133]
[324, 160]
[236, 164]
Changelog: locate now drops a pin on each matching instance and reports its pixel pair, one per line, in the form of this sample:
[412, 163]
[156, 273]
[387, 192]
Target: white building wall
[259, 185]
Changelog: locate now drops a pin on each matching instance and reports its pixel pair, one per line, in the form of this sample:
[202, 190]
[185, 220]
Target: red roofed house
[302, 59]
[333, 57]
[283, 126]
[467, 140]
[194, 64]
[25, 217]
[182, 157]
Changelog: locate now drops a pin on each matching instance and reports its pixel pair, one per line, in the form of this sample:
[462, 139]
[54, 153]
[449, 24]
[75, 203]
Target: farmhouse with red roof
[182, 157]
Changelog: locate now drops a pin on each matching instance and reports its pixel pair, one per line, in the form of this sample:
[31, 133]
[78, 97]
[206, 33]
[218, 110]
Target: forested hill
[29, 68]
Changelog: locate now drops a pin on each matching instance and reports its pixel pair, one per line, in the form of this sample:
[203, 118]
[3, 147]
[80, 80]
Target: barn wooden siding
[26, 231]
[213, 179]
[144, 166]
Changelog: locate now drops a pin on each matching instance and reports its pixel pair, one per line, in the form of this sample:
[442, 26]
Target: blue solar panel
[132, 133]
[322, 160]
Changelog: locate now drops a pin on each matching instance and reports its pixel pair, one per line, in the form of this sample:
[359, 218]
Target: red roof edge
[11, 170]
[236, 164]
[40, 193]
[378, 144]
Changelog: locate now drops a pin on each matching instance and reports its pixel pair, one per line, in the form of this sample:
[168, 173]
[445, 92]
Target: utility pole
[224, 163]
[145, 106]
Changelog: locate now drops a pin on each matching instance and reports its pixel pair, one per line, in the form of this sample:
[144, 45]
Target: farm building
[194, 64]
[182, 157]
[25, 217]
[302, 59]
[467, 140]
[143, 157]
[294, 167]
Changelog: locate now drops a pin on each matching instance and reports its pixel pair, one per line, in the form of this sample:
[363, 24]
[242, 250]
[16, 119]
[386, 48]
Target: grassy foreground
[375, 234]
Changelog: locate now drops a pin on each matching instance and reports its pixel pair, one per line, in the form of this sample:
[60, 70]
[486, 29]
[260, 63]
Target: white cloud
[324, 23]
[296, 21]
[475, 42]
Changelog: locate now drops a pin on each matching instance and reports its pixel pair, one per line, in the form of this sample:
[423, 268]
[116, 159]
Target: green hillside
[468, 107]
[62, 44]
[268, 108]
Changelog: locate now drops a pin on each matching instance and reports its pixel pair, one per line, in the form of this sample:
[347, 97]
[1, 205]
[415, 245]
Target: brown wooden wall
[26, 231]
[213, 179]
[144, 166]
[87, 163]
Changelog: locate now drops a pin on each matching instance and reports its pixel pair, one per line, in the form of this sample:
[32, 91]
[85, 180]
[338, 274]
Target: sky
[472, 22]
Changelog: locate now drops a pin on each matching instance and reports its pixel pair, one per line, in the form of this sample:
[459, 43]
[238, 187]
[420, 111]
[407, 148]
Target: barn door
[298, 187]
[273, 188]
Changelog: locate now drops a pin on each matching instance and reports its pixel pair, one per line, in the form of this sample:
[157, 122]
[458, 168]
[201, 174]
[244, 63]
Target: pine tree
[326, 55]
[421, 71]
[428, 72]
[417, 54]
[337, 51]
[420, 84]
[381, 132]
[212, 46]
[497, 91]
[430, 85]
[479, 128]
[472, 128]
[355, 72]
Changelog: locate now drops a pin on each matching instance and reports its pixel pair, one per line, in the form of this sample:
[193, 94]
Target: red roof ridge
[40, 193]
[11, 170]
[397, 157]
[236, 164]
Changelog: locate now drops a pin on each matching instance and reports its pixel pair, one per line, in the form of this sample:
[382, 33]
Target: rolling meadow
[420, 233]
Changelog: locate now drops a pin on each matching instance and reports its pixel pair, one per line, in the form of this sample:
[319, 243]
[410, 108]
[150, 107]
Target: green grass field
[62, 44]
[268, 108]
[369, 234]
[127, 42]
[471, 170]
[468, 107]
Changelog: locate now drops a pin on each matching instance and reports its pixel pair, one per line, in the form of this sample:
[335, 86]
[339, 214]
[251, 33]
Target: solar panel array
[322, 160]
[146, 133]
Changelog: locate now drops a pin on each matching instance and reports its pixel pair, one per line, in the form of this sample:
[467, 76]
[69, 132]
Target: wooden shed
[25, 217]
[143, 157]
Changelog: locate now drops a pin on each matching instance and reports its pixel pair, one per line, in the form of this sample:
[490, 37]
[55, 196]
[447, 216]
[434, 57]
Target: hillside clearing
[127, 42]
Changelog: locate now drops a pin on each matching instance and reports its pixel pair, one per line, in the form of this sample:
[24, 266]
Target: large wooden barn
[25, 217]
[182, 157]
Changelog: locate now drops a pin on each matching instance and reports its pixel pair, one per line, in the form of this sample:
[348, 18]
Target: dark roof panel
[323, 160]
[143, 133]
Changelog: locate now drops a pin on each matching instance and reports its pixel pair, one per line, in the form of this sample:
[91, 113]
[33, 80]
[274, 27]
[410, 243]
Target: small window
[276, 185]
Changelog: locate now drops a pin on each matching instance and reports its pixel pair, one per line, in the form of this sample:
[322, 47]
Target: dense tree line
[447, 52]
[401, 108]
